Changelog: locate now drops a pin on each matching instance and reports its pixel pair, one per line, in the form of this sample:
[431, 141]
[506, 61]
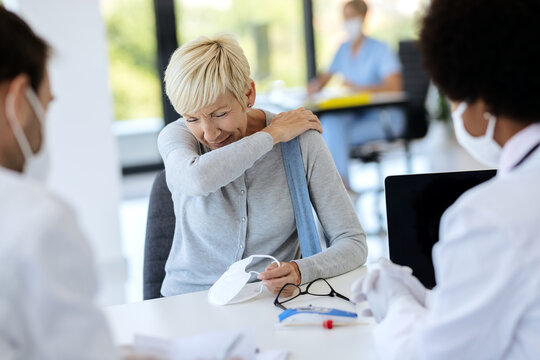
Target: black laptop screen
[414, 206]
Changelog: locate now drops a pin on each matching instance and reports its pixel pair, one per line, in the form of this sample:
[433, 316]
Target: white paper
[210, 345]
[203, 346]
[158, 347]
[272, 355]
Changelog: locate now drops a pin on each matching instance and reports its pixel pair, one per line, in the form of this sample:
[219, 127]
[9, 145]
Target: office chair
[415, 86]
[159, 237]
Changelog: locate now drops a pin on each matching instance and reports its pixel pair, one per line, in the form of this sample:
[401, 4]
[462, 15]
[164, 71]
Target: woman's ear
[250, 93]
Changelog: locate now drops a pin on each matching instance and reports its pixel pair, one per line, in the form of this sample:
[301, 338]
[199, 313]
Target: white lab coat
[486, 304]
[47, 282]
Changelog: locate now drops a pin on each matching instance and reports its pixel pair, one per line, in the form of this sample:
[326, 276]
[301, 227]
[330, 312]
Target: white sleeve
[396, 337]
[474, 306]
[475, 297]
[59, 292]
[194, 173]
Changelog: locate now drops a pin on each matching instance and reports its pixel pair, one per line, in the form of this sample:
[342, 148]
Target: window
[270, 32]
[133, 76]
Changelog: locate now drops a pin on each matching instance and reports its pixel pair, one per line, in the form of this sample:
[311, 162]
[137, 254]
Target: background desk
[191, 314]
[293, 98]
[360, 102]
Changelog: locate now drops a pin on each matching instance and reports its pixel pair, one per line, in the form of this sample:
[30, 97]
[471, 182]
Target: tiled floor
[437, 152]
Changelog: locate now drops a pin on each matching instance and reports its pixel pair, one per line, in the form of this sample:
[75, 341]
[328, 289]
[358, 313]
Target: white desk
[190, 314]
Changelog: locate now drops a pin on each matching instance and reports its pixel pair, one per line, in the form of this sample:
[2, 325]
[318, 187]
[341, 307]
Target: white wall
[85, 170]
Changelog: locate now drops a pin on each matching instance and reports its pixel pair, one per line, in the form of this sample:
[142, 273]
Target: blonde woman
[225, 172]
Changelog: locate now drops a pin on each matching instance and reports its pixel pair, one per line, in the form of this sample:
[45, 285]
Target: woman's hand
[288, 125]
[275, 277]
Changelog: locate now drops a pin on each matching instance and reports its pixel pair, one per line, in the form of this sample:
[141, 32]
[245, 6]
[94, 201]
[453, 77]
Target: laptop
[414, 206]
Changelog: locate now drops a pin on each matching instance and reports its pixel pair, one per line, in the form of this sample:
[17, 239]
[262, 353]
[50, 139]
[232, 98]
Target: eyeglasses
[318, 287]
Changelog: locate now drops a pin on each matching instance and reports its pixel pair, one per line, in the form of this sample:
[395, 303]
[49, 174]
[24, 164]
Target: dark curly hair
[486, 49]
[21, 50]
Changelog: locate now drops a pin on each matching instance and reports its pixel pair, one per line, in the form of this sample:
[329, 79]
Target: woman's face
[220, 123]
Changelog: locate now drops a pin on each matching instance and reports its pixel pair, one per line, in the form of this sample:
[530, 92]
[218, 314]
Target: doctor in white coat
[47, 281]
[483, 54]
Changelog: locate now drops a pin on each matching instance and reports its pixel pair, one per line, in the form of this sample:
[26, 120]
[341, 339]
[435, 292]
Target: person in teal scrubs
[366, 64]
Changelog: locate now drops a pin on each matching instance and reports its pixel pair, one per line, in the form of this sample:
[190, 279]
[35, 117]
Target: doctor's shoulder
[498, 203]
[31, 210]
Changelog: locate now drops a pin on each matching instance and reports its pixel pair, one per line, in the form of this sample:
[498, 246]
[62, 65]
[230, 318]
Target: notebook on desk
[414, 206]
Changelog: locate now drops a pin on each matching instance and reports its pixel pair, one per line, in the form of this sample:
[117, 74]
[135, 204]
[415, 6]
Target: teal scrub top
[370, 65]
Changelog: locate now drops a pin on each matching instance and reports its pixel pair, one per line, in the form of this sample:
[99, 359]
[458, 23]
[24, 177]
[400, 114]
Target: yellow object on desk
[343, 101]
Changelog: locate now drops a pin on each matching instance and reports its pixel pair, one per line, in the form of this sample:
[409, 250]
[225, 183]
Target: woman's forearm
[196, 174]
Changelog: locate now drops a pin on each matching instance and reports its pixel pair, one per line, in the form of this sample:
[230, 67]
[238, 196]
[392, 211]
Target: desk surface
[190, 314]
[329, 101]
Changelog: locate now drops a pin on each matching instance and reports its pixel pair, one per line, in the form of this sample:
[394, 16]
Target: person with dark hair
[47, 279]
[483, 54]
[365, 64]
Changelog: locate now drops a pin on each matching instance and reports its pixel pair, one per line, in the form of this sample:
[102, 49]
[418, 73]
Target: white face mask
[36, 166]
[231, 287]
[483, 148]
[353, 27]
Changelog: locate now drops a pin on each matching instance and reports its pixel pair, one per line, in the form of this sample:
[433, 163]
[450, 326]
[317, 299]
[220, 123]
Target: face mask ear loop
[256, 272]
[20, 136]
[36, 104]
[269, 257]
[277, 262]
[266, 256]
[490, 130]
[461, 108]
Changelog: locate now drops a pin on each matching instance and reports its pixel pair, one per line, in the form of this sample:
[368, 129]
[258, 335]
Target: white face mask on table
[36, 166]
[231, 287]
[483, 148]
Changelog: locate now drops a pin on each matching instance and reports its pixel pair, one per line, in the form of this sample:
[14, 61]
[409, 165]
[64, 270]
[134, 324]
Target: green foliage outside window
[132, 57]
[132, 41]
[132, 44]
[282, 20]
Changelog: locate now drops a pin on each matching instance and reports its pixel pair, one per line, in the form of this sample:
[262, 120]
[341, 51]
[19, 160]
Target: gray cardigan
[234, 202]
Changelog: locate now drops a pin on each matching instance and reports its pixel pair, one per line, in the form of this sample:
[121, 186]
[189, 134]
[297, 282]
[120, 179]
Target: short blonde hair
[203, 69]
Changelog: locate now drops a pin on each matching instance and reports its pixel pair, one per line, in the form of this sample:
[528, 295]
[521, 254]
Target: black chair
[159, 237]
[415, 86]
